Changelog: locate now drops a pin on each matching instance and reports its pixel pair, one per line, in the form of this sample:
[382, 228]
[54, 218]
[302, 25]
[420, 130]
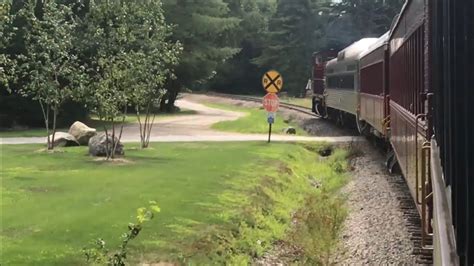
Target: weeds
[278, 206]
[98, 252]
[317, 227]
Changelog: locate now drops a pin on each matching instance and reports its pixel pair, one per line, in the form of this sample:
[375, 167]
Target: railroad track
[290, 106]
[412, 218]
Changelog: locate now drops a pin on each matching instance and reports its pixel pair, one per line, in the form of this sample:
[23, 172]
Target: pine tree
[295, 32]
[239, 74]
[201, 27]
[352, 20]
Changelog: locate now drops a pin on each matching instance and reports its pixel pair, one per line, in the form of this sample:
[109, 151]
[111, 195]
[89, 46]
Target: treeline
[96, 54]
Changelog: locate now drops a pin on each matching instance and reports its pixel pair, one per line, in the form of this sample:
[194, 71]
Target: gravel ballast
[375, 231]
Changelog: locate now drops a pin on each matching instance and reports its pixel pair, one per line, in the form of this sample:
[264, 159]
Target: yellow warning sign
[272, 81]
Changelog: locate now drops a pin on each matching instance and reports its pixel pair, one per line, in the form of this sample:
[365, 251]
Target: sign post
[271, 104]
[270, 120]
[272, 82]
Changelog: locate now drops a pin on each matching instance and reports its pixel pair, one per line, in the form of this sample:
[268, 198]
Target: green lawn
[254, 122]
[91, 122]
[305, 102]
[54, 204]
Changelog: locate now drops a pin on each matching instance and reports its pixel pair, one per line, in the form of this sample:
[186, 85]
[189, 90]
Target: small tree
[98, 252]
[109, 97]
[49, 68]
[132, 60]
[153, 62]
[108, 33]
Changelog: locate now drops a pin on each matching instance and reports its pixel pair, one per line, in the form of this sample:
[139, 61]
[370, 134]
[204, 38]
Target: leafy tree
[108, 34]
[131, 60]
[49, 69]
[296, 31]
[201, 27]
[154, 62]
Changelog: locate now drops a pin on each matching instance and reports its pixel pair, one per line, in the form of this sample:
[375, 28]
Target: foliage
[48, 67]
[201, 27]
[153, 63]
[295, 32]
[239, 74]
[317, 227]
[132, 60]
[6, 63]
[98, 253]
[284, 39]
[351, 20]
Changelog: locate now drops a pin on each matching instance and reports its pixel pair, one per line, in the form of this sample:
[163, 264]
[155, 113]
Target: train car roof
[380, 42]
[398, 19]
[352, 52]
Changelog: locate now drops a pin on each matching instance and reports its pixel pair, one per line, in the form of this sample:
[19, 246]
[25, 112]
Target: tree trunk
[115, 142]
[147, 126]
[112, 151]
[55, 115]
[147, 143]
[140, 124]
[167, 102]
[46, 123]
[107, 153]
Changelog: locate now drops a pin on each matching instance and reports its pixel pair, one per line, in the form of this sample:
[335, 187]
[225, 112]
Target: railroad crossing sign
[272, 81]
[271, 102]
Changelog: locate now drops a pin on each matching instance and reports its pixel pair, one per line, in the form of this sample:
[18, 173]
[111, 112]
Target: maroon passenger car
[373, 114]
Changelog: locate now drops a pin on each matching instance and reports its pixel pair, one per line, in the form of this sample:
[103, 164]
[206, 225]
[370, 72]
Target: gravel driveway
[196, 127]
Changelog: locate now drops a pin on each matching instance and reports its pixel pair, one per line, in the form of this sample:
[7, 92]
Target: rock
[290, 130]
[63, 139]
[98, 145]
[82, 132]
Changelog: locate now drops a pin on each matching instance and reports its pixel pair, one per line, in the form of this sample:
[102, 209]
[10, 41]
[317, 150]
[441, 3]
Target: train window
[351, 67]
[346, 82]
[333, 82]
[341, 82]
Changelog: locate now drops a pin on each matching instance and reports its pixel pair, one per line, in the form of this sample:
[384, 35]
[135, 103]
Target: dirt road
[196, 127]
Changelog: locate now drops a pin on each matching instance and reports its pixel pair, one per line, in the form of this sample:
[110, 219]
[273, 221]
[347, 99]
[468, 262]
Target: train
[413, 89]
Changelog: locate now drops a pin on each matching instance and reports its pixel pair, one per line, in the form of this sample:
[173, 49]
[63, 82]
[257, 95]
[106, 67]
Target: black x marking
[272, 82]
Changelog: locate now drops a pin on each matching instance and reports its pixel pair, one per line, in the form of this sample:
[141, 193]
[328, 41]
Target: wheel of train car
[320, 109]
[331, 114]
[340, 119]
[362, 126]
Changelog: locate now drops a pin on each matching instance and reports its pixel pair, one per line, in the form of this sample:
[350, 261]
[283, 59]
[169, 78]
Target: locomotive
[412, 89]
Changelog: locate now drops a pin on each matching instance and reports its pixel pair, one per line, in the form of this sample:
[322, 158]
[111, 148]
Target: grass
[92, 122]
[219, 202]
[305, 102]
[254, 122]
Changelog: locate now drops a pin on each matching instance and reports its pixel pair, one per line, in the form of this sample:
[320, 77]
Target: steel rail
[294, 107]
